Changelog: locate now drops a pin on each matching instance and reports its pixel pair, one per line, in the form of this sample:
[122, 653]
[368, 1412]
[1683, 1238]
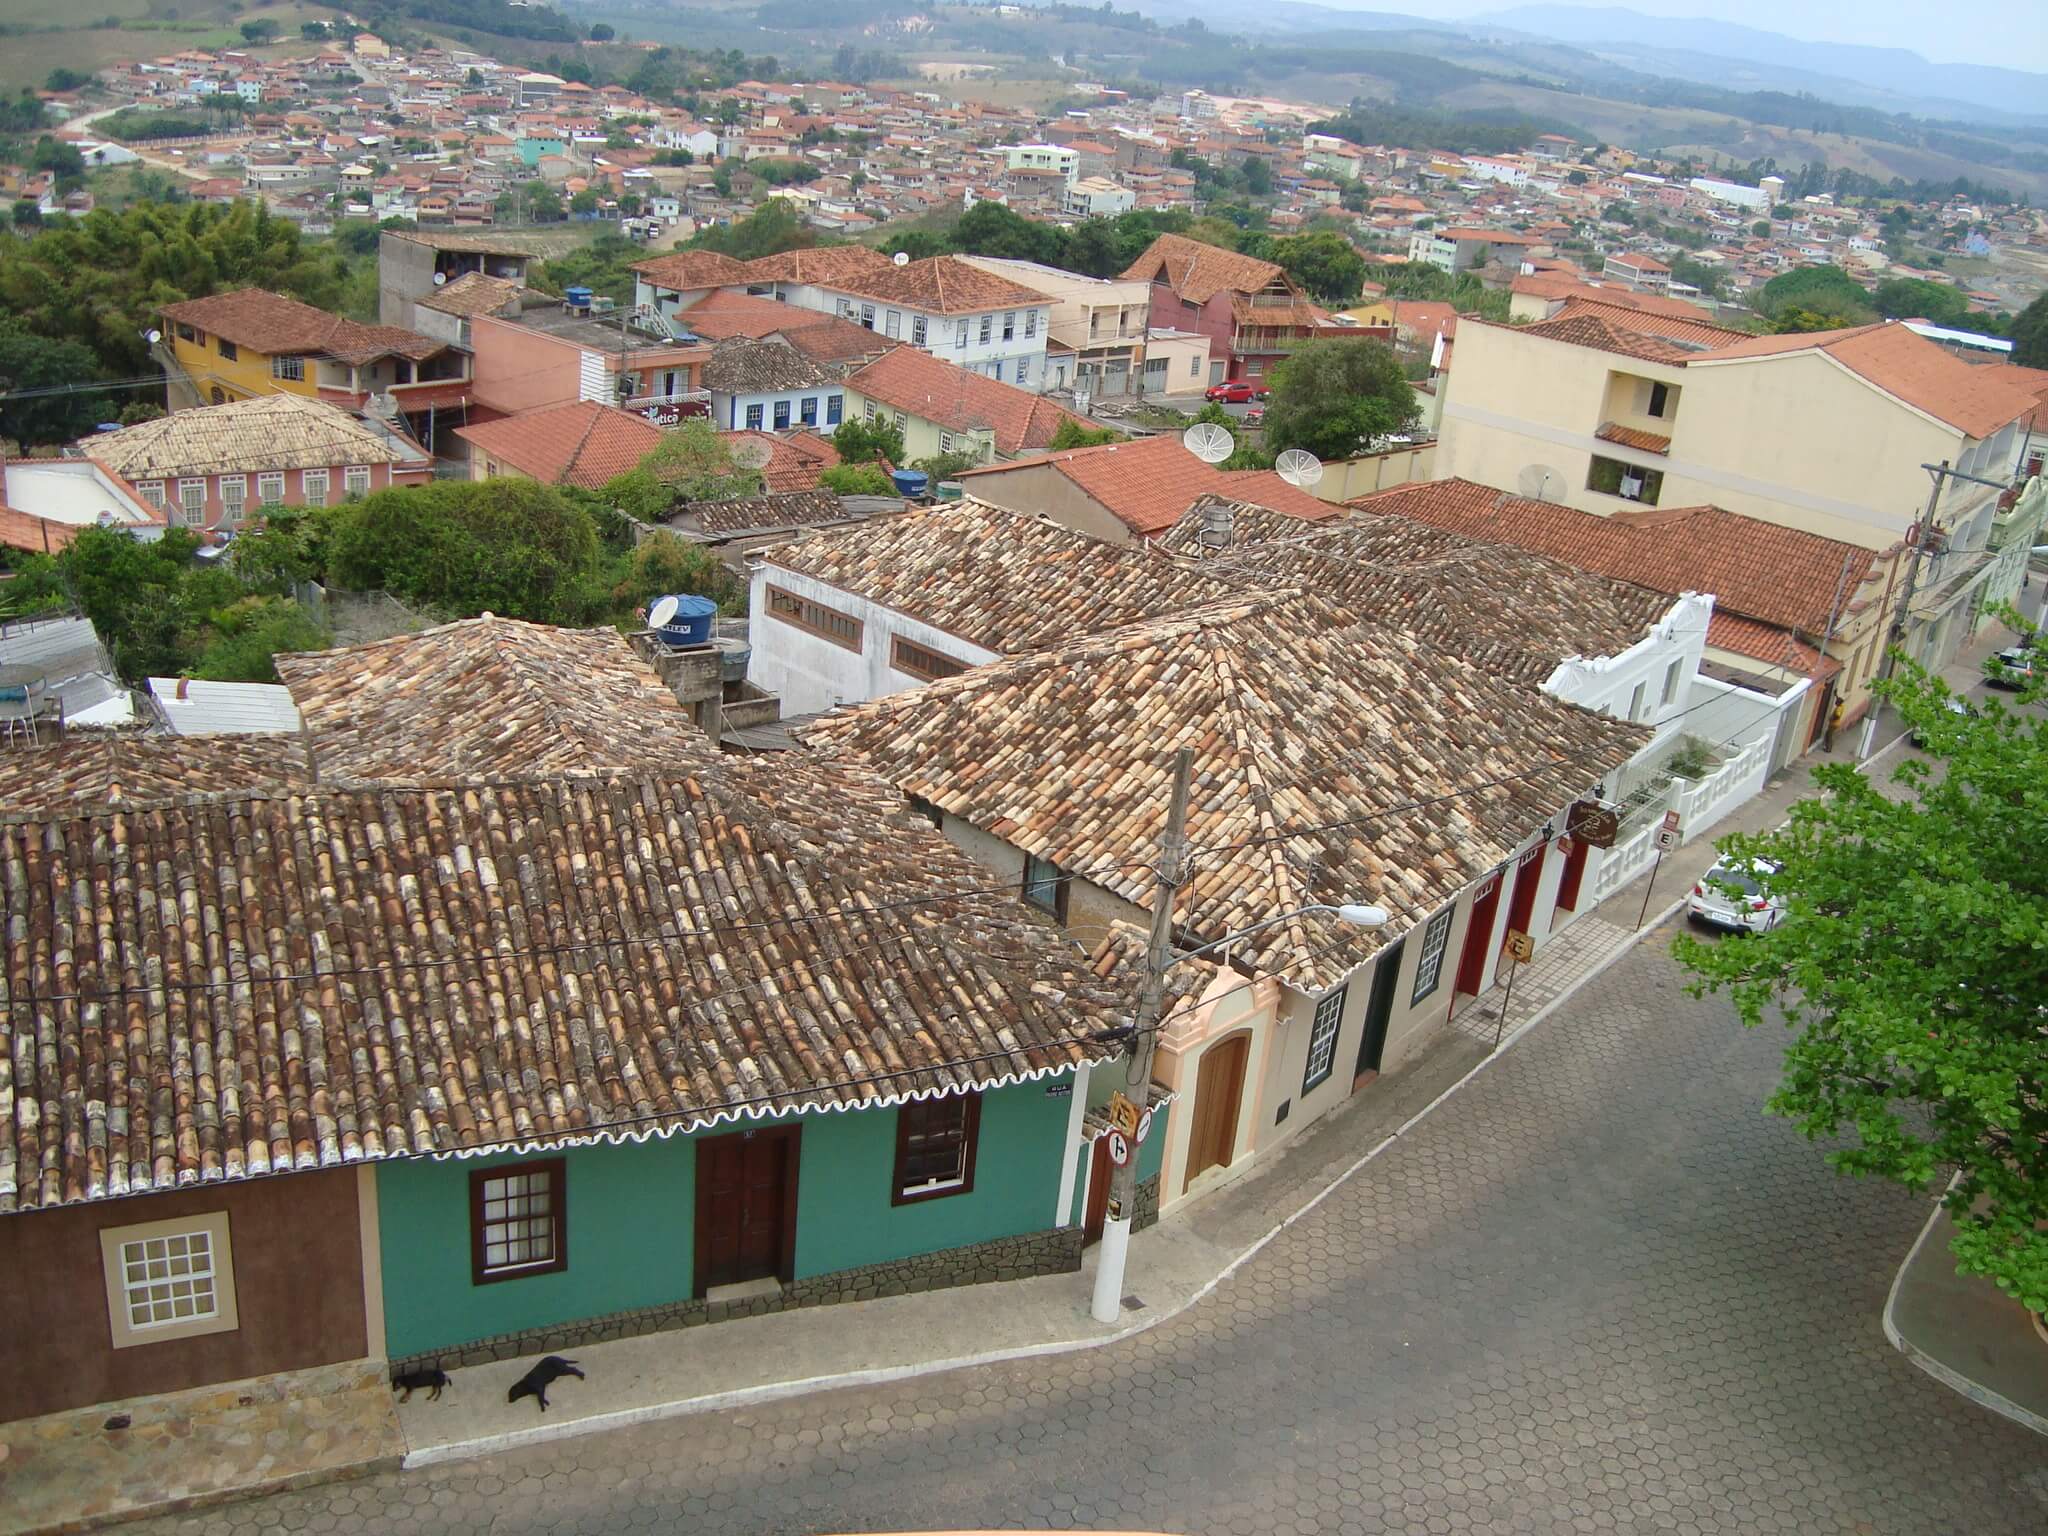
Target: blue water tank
[687, 624]
[576, 298]
[911, 482]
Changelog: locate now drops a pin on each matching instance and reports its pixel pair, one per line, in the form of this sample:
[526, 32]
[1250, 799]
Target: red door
[1528, 875]
[1574, 871]
[746, 1207]
[1478, 929]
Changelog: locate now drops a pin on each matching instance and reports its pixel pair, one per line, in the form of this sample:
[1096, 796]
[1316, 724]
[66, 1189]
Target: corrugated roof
[196, 707]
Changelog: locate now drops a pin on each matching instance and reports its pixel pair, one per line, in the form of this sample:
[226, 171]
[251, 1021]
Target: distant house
[583, 443]
[1251, 310]
[757, 385]
[942, 408]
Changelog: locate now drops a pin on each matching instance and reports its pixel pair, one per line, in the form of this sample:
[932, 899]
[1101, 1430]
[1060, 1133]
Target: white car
[1732, 895]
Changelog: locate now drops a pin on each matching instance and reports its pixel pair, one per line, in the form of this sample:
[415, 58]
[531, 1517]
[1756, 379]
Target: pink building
[218, 466]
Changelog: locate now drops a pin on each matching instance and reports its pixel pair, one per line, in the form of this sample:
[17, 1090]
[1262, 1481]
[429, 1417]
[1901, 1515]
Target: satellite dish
[901, 258]
[658, 616]
[440, 278]
[152, 337]
[1535, 482]
[1297, 466]
[1209, 442]
[752, 453]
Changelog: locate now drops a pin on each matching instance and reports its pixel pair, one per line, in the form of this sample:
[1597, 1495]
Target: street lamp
[1107, 1303]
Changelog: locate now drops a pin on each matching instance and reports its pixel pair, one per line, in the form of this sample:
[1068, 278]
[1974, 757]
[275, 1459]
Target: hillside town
[965, 821]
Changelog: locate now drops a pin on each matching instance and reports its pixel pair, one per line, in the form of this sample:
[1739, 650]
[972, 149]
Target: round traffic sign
[1144, 1126]
[1119, 1148]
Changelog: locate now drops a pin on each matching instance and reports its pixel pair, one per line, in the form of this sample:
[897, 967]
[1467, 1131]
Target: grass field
[67, 34]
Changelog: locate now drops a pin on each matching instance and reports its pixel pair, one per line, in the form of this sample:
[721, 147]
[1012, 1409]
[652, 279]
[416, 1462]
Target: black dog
[428, 1378]
[535, 1383]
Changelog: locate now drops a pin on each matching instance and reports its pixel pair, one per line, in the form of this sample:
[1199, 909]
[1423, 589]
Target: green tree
[1822, 289]
[2030, 334]
[1805, 320]
[66, 80]
[132, 592]
[514, 547]
[243, 640]
[585, 201]
[1324, 263]
[1761, 229]
[1912, 965]
[990, 229]
[769, 230]
[1258, 177]
[661, 564]
[1337, 398]
[691, 463]
[1076, 434]
[262, 31]
[857, 480]
[34, 362]
[945, 466]
[1915, 298]
[543, 203]
[601, 33]
[859, 441]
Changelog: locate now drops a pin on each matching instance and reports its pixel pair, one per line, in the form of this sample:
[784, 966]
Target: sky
[2012, 33]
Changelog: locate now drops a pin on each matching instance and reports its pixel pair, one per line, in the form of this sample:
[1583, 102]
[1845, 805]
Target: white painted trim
[1077, 1111]
[370, 1236]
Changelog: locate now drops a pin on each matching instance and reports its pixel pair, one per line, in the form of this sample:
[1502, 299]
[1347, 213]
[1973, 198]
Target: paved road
[1596, 1291]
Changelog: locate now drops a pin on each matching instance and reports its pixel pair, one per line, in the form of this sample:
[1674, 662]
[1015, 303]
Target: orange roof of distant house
[818, 264]
[275, 326]
[913, 381]
[583, 444]
[1551, 284]
[1199, 272]
[684, 270]
[943, 285]
[1975, 400]
[1148, 484]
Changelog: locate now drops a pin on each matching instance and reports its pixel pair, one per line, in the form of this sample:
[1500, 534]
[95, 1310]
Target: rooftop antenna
[1207, 441]
[1297, 466]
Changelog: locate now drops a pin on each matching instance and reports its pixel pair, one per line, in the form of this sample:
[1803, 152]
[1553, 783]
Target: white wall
[813, 673]
[729, 412]
[1608, 683]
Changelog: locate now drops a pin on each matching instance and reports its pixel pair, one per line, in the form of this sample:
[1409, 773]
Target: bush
[1073, 434]
[857, 480]
[944, 466]
[859, 441]
[1691, 759]
[248, 635]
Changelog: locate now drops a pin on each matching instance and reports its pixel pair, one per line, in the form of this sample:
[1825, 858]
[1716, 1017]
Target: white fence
[1699, 805]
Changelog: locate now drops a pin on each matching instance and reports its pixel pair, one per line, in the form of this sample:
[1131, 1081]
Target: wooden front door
[1574, 872]
[1522, 905]
[1478, 931]
[1379, 1009]
[1097, 1211]
[746, 1207]
[1219, 1094]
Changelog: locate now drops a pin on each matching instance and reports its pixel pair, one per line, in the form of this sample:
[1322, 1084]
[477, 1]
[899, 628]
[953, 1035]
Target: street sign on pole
[1667, 839]
[1520, 945]
[1123, 1114]
[1119, 1148]
[1144, 1128]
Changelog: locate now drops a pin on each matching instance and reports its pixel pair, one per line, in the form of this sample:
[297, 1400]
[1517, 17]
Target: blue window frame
[782, 415]
[835, 408]
[807, 412]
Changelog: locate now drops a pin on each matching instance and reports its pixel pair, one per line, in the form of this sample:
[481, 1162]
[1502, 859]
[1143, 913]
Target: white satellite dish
[440, 278]
[1535, 482]
[901, 258]
[659, 615]
[152, 337]
[1297, 466]
[752, 453]
[1209, 442]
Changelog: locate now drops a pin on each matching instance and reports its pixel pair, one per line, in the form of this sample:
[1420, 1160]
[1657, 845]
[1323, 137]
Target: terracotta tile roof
[1147, 484]
[1681, 330]
[821, 337]
[1295, 726]
[1604, 334]
[1631, 437]
[274, 325]
[1505, 609]
[1767, 643]
[485, 696]
[438, 969]
[744, 367]
[583, 443]
[683, 271]
[795, 458]
[941, 285]
[473, 293]
[267, 432]
[823, 265]
[1199, 272]
[101, 768]
[1753, 568]
[1006, 581]
[1906, 365]
[959, 400]
[762, 514]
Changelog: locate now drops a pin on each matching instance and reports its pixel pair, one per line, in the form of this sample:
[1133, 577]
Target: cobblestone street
[1595, 1290]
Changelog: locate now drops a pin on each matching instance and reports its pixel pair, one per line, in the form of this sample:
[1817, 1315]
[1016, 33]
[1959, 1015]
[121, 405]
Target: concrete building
[1096, 330]
[412, 264]
[1097, 197]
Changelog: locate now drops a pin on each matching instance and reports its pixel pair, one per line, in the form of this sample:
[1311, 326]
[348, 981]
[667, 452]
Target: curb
[1946, 1374]
[213, 1497]
[486, 1445]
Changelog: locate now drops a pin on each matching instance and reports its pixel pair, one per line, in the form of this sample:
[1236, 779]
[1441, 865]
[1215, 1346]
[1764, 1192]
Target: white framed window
[945, 442]
[867, 409]
[355, 480]
[1195, 367]
[1009, 325]
[892, 323]
[902, 422]
[1023, 370]
[867, 316]
[1322, 1039]
[1635, 702]
[169, 1279]
[519, 1220]
[192, 503]
[152, 491]
[288, 368]
[313, 484]
[270, 488]
[960, 336]
[1429, 970]
[988, 326]
[1030, 323]
[756, 414]
[234, 495]
[919, 329]
[835, 409]
[1671, 682]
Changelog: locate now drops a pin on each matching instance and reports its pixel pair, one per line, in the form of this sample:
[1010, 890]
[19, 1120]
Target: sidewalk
[1967, 1333]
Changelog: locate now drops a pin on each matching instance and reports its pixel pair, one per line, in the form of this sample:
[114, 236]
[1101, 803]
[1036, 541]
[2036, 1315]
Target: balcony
[409, 399]
[1633, 437]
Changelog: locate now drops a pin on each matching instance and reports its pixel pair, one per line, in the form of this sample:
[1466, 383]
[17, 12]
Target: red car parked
[1236, 391]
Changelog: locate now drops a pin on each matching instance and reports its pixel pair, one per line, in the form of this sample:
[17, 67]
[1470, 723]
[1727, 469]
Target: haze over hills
[1700, 50]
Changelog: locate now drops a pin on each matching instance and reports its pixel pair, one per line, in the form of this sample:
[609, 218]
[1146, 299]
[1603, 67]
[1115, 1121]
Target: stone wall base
[1057, 1251]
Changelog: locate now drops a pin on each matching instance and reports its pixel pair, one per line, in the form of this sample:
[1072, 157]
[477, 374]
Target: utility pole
[1898, 625]
[1123, 1177]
